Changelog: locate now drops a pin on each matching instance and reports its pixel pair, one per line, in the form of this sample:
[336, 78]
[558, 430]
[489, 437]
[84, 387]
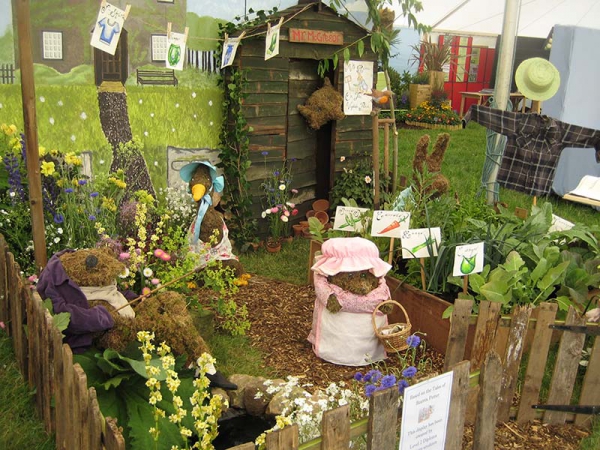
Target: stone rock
[236, 397]
[282, 399]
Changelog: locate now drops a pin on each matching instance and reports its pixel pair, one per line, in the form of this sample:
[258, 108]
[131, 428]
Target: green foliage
[7, 49]
[202, 31]
[60, 320]
[420, 78]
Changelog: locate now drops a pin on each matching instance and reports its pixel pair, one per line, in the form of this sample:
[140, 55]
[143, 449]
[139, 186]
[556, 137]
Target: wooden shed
[276, 87]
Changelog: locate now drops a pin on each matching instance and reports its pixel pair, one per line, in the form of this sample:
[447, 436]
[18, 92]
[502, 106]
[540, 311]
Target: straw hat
[537, 79]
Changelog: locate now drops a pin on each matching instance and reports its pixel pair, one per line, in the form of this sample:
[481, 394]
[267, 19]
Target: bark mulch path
[281, 317]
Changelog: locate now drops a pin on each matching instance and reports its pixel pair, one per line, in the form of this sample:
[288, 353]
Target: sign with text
[560, 224]
[348, 218]
[389, 223]
[358, 82]
[425, 414]
[107, 30]
[316, 36]
[420, 242]
[468, 259]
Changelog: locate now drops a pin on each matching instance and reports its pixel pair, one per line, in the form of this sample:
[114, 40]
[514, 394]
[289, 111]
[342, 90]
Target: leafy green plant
[432, 55]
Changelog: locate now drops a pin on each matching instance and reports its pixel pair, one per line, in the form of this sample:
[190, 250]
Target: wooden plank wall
[63, 402]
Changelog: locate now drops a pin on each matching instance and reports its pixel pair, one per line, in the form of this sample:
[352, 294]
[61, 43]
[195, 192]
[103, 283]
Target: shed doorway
[311, 150]
[109, 67]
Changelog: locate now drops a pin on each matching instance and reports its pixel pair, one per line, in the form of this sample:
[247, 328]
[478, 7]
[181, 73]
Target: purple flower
[388, 381]
[409, 372]
[58, 218]
[276, 173]
[372, 375]
[92, 217]
[94, 194]
[413, 341]
[264, 153]
[369, 389]
[68, 190]
[402, 384]
[82, 182]
[358, 376]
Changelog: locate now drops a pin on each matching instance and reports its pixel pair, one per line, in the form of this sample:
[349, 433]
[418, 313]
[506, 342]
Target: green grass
[19, 426]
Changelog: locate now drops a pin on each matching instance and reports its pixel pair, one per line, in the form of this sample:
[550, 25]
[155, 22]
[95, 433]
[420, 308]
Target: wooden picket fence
[63, 401]
[482, 391]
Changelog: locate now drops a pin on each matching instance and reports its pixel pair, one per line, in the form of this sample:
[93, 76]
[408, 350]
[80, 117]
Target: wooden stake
[422, 261]
[466, 284]
[168, 283]
[31, 136]
[376, 162]
[391, 253]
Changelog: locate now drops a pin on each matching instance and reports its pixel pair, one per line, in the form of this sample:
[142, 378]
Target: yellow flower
[192, 285]
[72, 159]
[42, 150]
[109, 204]
[9, 130]
[47, 168]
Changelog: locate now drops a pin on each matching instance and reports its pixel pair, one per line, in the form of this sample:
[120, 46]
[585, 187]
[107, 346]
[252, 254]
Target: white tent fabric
[485, 16]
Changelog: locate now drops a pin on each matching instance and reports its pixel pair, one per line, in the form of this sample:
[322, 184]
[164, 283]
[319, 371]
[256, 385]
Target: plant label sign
[468, 259]
[109, 25]
[425, 414]
[358, 82]
[348, 218]
[272, 40]
[389, 223]
[560, 224]
[420, 242]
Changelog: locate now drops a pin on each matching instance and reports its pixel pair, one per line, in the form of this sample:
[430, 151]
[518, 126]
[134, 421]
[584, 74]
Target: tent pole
[31, 137]
[504, 76]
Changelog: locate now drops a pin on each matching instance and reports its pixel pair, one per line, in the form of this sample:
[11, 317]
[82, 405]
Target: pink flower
[284, 218]
[286, 213]
[159, 253]
[124, 255]
[2, 325]
[166, 257]
[146, 291]
[294, 191]
[155, 281]
[33, 278]
[294, 212]
[274, 209]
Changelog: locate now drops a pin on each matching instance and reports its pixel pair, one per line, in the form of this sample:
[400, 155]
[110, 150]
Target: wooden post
[284, 439]
[335, 428]
[487, 403]
[485, 332]
[422, 264]
[456, 420]
[386, 151]
[391, 253]
[457, 336]
[590, 392]
[383, 411]
[31, 138]
[395, 133]
[376, 162]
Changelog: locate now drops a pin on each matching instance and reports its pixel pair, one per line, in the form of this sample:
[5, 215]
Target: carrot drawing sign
[468, 259]
[420, 242]
[390, 223]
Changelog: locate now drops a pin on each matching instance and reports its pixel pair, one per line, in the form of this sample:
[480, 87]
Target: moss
[92, 267]
[323, 105]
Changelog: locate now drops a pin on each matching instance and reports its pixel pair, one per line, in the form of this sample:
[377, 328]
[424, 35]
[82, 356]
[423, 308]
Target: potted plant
[433, 57]
[419, 90]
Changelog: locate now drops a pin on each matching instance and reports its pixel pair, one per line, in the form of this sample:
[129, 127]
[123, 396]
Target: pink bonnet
[350, 255]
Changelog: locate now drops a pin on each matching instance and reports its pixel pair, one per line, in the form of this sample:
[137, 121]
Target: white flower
[267, 211]
[148, 272]
[263, 214]
[173, 130]
[141, 101]
[12, 193]
[342, 158]
[59, 230]
[73, 138]
[284, 218]
[51, 120]
[125, 273]
[56, 240]
[176, 105]
[60, 103]
[0, 105]
[210, 103]
[195, 116]
[367, 179]
[145, 133]
[42, 99]
[151, 114]
[155, 163]
[83, 115]
[211, 123]
[101, 161]
[193, 95]
[282, 187]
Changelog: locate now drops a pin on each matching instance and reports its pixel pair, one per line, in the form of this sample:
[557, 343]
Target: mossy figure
[323, 105]
[208, 235]
[92, 267]
[438, 184]
[360, 283]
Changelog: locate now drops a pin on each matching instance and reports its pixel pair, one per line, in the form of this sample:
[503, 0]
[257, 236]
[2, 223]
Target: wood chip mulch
[281, 318]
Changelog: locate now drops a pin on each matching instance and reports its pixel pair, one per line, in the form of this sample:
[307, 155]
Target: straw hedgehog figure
[439, 184]
[323, 105]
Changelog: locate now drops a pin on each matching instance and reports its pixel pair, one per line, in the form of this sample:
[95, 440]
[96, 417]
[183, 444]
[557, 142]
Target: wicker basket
[393, 336]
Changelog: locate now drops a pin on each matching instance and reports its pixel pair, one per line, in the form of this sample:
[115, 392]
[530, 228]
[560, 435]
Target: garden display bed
[434, 126]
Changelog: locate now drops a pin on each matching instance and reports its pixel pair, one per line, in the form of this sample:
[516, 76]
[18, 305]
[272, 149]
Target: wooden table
[482, 98]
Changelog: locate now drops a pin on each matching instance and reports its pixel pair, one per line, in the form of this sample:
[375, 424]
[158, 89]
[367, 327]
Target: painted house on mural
[61, 32]
[275, 87]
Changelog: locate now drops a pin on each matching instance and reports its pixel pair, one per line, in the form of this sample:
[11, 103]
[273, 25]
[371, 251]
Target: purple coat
[55, 284]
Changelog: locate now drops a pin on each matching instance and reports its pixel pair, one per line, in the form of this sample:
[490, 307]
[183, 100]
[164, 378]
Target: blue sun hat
[187, 171]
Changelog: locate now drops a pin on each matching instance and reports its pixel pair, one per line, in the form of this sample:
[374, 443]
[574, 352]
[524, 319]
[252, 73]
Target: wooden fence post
[284, 439]
[4, 303]
[113, 439]
[565, 368]
[457, 336]
[536, 365]
[456, 419]
[590, 392]
[383, 416]
[335, 428]
[485, 332]
[59, 405]
[512, 359]
[487, 403]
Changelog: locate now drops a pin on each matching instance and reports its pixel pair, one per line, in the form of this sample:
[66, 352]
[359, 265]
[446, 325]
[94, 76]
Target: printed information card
[425, 414]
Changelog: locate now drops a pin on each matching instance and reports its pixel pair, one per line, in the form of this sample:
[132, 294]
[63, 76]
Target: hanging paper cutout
[229, 48]
[109, 25]
[176, 48]
[272, 40]
[358, 82]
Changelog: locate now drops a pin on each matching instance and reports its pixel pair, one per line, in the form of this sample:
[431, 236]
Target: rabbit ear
[434, 161]
[421, 153]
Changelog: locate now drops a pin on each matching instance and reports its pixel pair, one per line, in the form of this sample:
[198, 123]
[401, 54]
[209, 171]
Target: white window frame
[52, 45]
[157, 41]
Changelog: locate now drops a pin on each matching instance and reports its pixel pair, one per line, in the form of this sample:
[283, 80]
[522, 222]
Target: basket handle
[385, 303]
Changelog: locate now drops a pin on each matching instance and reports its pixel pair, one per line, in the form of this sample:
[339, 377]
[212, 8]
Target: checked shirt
[533, 146]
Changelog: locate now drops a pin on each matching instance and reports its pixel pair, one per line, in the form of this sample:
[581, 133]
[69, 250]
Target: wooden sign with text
[316, 36]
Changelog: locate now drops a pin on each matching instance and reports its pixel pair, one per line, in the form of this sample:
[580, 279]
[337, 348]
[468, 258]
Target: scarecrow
[208, 235]
[349, 284]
